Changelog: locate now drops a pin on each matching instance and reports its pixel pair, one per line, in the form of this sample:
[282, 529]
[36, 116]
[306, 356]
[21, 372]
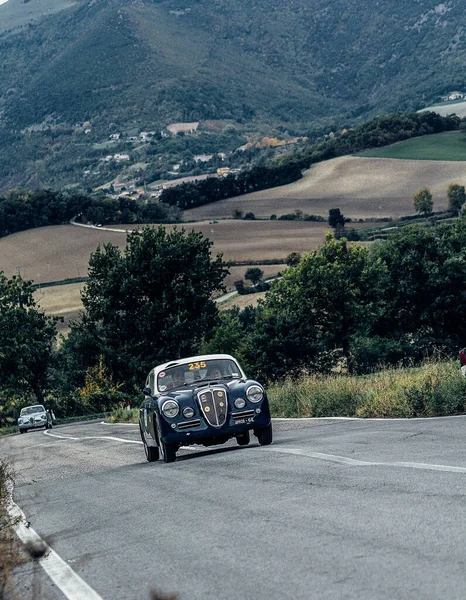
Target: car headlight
[170, 409]
[240, 402]
[188, 412]
[254, 393]
[20, 421]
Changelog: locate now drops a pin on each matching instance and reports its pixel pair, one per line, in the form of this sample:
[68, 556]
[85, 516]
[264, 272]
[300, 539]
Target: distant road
[334, 509]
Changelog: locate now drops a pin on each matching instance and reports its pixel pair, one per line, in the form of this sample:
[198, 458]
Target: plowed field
[359, 187]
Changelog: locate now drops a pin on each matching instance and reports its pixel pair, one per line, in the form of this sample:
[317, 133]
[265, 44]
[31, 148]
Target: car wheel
[167, 451]
[22, 431]
[151, 452]
[243, 439]
[264, 436]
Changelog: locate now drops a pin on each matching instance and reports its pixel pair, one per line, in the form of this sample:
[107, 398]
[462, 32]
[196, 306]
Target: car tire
[167, 451]
[22, 431]
[264, 435]
[151, 452]
[243, 439]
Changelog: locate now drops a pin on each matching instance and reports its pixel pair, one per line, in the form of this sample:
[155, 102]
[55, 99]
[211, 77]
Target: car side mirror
[147, 391]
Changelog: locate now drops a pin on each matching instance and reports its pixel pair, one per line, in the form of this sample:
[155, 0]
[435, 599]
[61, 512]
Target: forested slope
[268, 65]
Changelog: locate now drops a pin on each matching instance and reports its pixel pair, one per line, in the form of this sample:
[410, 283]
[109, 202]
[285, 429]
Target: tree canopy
[423, 202]
[26, 340]
[150, 304]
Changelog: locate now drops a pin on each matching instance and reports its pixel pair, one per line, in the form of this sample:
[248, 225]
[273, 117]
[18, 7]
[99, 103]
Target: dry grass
[10, 552]
[65, 300]
[435, 389]
[61, 252]
[241, 301]
[360, 187]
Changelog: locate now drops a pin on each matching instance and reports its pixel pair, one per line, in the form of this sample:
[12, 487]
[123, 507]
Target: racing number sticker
[197, 365]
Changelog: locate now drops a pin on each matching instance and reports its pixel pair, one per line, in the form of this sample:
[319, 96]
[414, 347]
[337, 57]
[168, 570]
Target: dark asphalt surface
[332, 510]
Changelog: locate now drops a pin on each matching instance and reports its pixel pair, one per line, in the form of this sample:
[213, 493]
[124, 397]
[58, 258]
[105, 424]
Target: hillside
[73, 73]
[360, 187]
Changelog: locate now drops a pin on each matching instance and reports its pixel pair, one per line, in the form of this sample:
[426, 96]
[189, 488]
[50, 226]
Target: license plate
[244, 421]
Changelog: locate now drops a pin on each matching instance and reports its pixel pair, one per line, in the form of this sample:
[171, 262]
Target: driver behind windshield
[177, 375]
[213, 372]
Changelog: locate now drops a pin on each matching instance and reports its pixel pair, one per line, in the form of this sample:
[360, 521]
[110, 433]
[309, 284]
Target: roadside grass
[10, 548]
[123, 415]
[434, 389]
[448, 145]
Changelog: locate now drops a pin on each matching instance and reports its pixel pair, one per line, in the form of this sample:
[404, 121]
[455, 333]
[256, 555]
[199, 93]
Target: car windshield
[197, 372]
[29, 410]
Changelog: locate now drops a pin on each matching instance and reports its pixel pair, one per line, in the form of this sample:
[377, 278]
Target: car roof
[182, 361]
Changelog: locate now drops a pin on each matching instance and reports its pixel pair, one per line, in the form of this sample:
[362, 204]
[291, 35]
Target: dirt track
[360, 187]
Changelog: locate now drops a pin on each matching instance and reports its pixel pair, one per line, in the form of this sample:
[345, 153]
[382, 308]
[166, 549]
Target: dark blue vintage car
[201, 400]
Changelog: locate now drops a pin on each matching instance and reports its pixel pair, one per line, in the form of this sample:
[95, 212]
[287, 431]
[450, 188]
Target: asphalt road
[332, 510]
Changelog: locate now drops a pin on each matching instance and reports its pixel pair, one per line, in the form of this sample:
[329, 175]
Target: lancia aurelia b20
[203, 400]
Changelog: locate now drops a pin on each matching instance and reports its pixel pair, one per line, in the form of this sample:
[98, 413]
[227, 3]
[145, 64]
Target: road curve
[333, 509]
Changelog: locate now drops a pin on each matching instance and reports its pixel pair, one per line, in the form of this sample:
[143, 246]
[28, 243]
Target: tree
[456, 197]
[27, 336]
[254, 275]
[293, 259]
[335, 218]
[423, 202]
[425, 291]
[150, 304]
[327, 300]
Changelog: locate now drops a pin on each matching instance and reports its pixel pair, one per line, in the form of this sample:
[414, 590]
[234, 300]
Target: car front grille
[244, 414]
[214, 405]
[189, 424]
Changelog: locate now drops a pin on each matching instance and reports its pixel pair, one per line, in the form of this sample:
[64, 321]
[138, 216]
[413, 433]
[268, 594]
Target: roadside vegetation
[10, 555]
[343, 309]
[434, 389]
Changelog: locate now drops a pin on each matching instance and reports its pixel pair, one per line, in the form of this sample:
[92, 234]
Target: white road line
[93, 437]
[61, 437]
[62, 575]
[328, 457]
[363, 463]
[385, 419]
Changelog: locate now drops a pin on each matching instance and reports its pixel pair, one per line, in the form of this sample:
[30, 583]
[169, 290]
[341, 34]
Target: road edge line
[67, 581]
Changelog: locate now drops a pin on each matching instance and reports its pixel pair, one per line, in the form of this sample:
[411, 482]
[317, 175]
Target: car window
[196, 371]
[29, 410]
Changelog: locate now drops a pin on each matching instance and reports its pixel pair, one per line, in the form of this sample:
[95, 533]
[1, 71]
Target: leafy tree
[425, 288]
[26, 340]
[456, 197]
[329, 297]
[150, 304]
[254, 275]
[335, 218]
[423, 202]
[293, 259]
[240, 287]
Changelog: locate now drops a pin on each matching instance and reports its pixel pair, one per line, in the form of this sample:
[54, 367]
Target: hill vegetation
[342, 309]
[68, 77]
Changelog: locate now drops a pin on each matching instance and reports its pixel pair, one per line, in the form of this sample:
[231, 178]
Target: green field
[449, 145]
